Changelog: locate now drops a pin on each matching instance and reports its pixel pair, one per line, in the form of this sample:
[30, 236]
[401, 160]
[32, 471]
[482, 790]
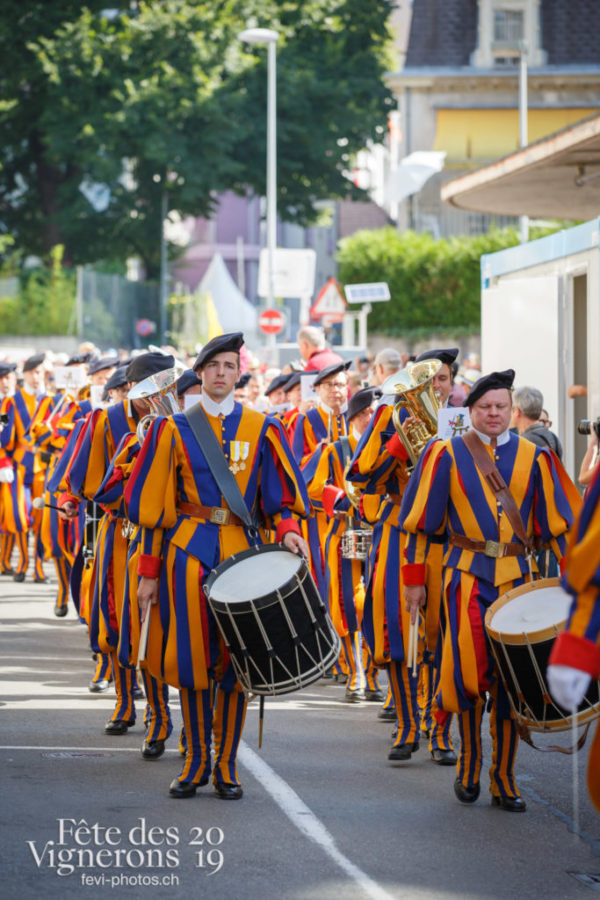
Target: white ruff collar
[212, 408]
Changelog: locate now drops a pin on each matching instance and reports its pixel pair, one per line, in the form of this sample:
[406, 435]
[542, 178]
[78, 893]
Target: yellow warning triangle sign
[329, 301]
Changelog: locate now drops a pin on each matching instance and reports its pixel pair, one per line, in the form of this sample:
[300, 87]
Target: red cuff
[5, 463]
[396, 448]
[67, 498]
[562, 564]
[331, 493]
[149, 566]
[284, 526]
[578, 652]
[413, 574]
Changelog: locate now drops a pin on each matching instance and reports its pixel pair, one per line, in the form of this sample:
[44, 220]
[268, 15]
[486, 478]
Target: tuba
[414, 391]
[159, 392]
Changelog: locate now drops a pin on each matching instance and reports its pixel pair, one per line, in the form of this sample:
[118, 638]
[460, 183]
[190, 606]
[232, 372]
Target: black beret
[33, 362]
[102, 363]
[278, 382]
[147, 364]
[444, 356]
[224, 343]
[6, 367]
[244, 380]
[117, 379]
[331, 370]
[79, 359]
[491, 382]
[361, 399]
[186, 381]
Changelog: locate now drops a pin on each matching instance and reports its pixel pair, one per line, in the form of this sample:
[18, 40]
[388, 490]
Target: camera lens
[584, 426]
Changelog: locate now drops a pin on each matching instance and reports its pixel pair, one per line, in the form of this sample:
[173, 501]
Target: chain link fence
[112, 311]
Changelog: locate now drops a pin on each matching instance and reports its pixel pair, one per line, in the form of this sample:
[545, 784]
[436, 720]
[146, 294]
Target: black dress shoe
[403, 751]
[226, 791]
[97, 687]
[182, 789]
[19, 576]
[153, 749]
[354, 696]
[7, 572]
[374, 697]
[387, 715]
[510, 804]
[41, 580]
[61, 611]
[443, 757]
[138, 693]
[466, 794]
[118, 726]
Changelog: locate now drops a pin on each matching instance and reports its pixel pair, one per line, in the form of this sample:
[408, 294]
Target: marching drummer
[456, 493]
[327, 489]
[188, 530]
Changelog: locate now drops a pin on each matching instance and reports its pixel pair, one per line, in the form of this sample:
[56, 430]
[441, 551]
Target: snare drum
[356, 543]
[276, 627]
[522, 626]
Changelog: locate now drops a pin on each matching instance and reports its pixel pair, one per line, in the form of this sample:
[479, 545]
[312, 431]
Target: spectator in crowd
[386, 362]
[311, 344]
[528, 403]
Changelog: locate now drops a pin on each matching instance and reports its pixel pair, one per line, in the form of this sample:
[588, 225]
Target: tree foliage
[435, 285]
[103, 119]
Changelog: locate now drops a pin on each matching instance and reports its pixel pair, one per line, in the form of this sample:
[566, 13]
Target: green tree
[435, 285]
[103, 119]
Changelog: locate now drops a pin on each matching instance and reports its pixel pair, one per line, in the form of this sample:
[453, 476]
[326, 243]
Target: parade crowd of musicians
[134, 522]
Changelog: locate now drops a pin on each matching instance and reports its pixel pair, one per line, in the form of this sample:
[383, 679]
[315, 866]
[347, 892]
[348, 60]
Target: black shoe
[443, 757]
[510, 804]
[375, 697]
[466, 794]
[98, 687]
[182, 789]
[43, 580]
[138, 693]
[61, 611]
[403, 751]
[7, 572]
[19, 576]
[387, 715]
[327, 674]
[153, 749]
[425, 734]
[354, 696]
[118, 726]
[226, 791]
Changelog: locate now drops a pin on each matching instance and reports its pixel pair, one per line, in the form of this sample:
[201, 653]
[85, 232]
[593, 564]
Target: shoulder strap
[213, 453]
[497, 484]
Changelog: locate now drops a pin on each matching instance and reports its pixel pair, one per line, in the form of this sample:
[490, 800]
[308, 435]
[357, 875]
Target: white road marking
[305, 820]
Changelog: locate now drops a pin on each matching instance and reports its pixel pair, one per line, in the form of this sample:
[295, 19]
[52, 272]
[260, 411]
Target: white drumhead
[532, 611]
[255, 576]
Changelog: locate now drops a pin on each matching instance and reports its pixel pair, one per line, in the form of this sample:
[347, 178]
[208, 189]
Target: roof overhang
[556, 177]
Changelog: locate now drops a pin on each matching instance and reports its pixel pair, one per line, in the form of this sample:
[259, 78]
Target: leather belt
[495, 549]
[218, 515]
[394, 498]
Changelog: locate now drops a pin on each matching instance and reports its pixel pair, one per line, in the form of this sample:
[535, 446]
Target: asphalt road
[324, 815]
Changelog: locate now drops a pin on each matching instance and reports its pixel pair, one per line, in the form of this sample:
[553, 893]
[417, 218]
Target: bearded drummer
[453, 495]
[188, 530]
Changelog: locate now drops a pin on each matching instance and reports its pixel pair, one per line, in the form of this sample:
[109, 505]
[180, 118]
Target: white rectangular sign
[293, 273]
[377, 292]
[453, 421]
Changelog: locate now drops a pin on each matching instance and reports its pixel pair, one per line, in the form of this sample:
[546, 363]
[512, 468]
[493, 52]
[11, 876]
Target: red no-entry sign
[271, 321]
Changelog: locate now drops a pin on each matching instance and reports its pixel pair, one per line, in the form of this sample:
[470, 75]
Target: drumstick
[415, 627]
[261, 719]
[143, 639]
[575, 758]
[38, 503]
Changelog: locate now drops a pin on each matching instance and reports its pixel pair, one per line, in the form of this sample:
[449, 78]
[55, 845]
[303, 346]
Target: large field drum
[276, 627]
[522, 626]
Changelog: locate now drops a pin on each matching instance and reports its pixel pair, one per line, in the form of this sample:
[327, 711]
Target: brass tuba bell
[413, 387]
[160, 393]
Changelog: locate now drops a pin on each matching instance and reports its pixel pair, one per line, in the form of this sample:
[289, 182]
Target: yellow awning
[485, 134]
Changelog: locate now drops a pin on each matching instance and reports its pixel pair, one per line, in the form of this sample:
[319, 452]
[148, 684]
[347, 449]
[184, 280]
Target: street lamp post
[269, 37]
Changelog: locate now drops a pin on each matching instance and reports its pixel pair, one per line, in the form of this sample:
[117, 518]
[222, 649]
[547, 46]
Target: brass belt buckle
[219, 516]
[494, 549]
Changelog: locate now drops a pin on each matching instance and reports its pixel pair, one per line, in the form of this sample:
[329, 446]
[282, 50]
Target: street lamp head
[259, 36]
